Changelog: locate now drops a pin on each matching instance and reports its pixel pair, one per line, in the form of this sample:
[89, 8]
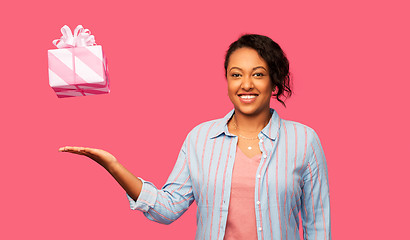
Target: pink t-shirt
[241, 223]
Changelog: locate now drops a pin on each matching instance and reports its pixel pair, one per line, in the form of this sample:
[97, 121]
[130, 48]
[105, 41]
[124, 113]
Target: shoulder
[300, 129]
[207, 124]
[206, 129]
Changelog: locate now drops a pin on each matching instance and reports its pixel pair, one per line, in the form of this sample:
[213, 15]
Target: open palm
[100, 156]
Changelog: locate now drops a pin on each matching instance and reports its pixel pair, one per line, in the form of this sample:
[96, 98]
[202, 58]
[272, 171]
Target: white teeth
[247, 96]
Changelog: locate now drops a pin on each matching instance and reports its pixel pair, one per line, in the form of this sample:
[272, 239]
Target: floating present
[78, 67]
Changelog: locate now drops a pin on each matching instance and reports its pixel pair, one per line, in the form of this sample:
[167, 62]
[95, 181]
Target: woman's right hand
[131, 184]
[100, 156]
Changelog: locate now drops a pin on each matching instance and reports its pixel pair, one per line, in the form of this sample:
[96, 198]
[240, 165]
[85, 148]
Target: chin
[252, 109]
[248, 110]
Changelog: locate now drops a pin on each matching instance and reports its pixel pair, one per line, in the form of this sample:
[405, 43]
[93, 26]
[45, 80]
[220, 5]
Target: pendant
[250, 148]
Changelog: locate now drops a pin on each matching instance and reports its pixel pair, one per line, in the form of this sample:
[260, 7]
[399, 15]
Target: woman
[250, 172]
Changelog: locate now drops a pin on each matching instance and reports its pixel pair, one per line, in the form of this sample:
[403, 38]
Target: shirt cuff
[146, 199]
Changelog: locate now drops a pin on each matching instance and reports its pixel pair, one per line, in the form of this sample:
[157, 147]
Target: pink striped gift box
[78, 71]
[78, 67]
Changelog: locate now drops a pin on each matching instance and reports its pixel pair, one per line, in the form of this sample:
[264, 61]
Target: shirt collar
[270, 130]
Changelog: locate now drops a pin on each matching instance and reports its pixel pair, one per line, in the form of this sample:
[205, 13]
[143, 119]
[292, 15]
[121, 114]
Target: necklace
[235, 125]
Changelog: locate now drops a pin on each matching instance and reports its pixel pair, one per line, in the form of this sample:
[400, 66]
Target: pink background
[351, 75]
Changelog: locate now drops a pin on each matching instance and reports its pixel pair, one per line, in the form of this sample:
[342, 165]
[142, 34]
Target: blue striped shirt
[291, 178]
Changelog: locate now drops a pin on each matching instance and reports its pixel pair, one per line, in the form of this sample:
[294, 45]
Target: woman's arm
[162, 206]
[315, 210]
[131, 184]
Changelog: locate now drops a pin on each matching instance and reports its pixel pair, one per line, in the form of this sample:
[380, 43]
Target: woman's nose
[247, 83]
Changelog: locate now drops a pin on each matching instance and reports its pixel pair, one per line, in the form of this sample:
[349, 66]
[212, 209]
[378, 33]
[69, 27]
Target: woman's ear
[273, 91]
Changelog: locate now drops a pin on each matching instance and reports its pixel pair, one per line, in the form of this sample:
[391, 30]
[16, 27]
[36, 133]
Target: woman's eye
[235, 75]
[258, 74]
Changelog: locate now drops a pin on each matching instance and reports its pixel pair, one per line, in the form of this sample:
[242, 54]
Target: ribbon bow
[81, 38]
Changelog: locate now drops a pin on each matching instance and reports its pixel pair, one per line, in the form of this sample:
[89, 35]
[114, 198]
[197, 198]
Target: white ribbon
[81, 38]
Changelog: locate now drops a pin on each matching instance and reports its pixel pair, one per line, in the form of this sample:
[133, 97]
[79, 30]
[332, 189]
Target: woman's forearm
[130, 183]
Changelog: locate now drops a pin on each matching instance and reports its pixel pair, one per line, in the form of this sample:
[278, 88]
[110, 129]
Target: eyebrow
[253, 69]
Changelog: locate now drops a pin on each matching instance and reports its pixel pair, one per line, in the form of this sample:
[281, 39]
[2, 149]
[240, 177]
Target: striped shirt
[291, 178]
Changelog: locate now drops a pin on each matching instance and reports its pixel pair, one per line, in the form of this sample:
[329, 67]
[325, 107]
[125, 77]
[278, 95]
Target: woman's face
[249, 85]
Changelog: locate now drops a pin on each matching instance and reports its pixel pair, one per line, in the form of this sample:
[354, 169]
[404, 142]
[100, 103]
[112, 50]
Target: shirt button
[258, 202]
[260, 229]
[259, 176]
[264, 156]
[261, 140]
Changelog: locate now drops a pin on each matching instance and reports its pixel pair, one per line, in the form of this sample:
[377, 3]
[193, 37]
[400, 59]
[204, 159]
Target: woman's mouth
[247, 98]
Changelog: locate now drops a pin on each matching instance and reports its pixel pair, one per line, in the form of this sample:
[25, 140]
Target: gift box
[78, 67]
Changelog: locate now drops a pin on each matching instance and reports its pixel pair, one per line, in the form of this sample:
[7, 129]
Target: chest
[279, 170]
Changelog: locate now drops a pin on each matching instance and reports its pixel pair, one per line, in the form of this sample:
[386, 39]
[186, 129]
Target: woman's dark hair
[276, 59]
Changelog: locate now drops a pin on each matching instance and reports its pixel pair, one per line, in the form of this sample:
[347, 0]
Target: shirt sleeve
[315, 196]
[169, 203]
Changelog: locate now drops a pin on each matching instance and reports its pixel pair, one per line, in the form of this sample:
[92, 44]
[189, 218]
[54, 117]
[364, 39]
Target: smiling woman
[251, 172]
[273, 57]
[249, 85]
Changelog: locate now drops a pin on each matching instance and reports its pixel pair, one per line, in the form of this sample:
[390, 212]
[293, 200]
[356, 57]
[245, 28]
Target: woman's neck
[251, 123]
